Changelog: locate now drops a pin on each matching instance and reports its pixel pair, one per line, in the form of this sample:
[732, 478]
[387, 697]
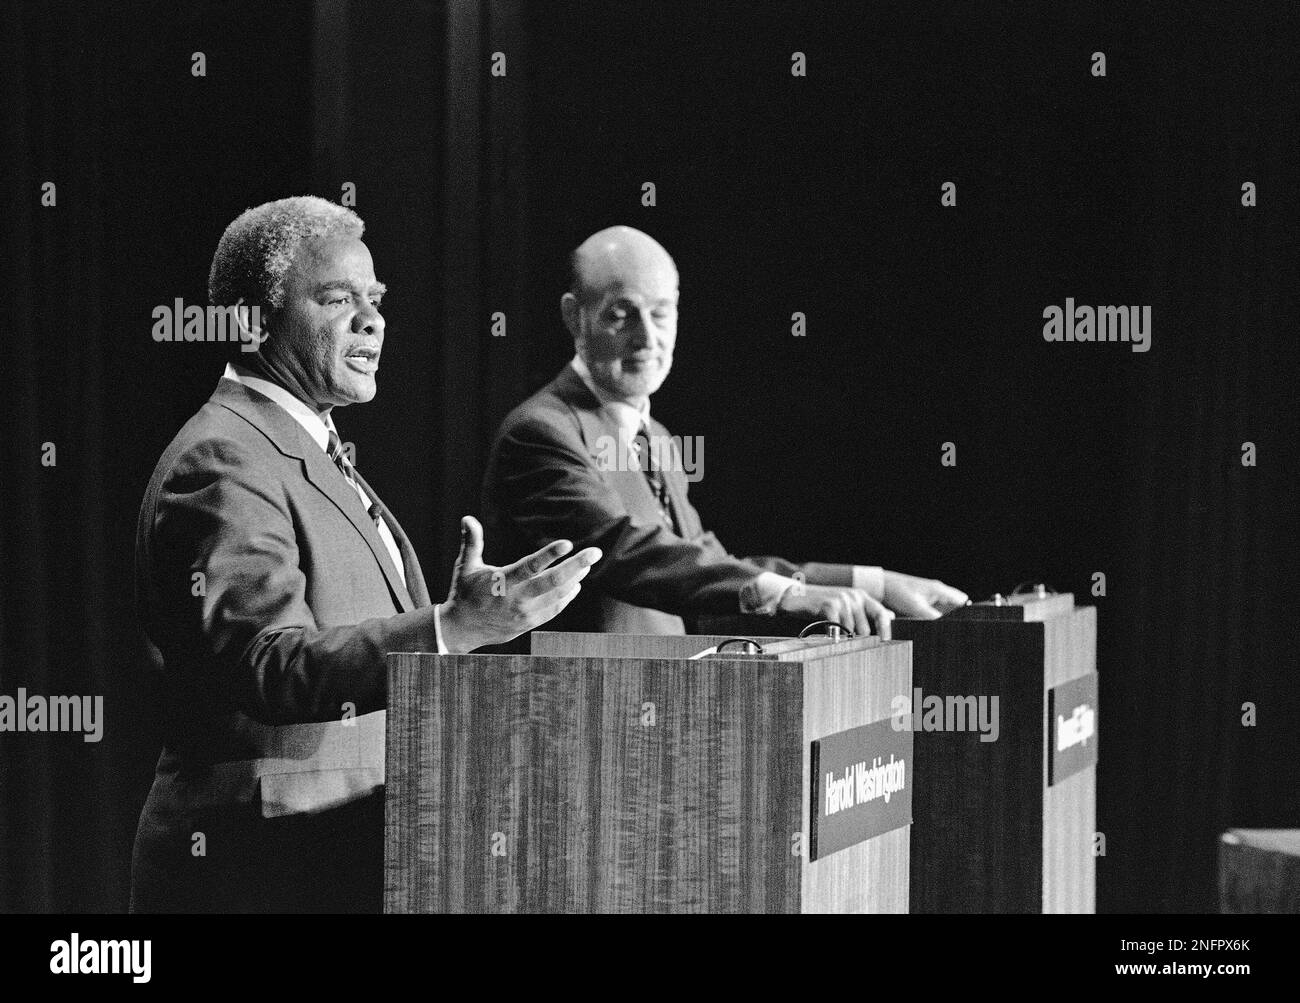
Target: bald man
[583, 460]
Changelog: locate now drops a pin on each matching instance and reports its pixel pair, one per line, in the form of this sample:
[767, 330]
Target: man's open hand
[489, 605]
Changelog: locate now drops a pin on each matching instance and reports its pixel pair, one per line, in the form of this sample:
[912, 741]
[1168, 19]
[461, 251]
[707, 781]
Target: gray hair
[254, 254]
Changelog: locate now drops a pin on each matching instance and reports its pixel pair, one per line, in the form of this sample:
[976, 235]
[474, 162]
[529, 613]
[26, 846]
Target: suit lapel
[417, 591]
[414, 575]
[595, 423]
[599, 430]
[291, 439]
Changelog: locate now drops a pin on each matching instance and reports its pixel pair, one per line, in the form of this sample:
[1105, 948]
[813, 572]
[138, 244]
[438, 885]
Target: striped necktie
[649, 464]
[340, 458]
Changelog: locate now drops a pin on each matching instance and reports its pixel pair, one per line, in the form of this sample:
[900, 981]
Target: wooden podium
[1259, 871]
[613, 773]
[1007, 825]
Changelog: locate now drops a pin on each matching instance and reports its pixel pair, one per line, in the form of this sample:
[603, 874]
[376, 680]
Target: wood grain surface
[839, 693]
[1070, 807]
[559, 642]
[988, 834]
[534, 785]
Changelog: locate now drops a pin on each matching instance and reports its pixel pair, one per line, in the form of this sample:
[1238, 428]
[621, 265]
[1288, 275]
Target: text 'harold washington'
[862, 783]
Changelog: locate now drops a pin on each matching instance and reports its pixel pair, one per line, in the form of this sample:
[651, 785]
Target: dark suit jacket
[272, 602]
[549, 477]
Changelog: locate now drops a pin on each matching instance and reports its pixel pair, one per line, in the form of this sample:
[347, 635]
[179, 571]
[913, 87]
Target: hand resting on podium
[860, 611]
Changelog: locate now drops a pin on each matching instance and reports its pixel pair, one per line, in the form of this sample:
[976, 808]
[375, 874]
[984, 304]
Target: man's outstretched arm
[251, 636]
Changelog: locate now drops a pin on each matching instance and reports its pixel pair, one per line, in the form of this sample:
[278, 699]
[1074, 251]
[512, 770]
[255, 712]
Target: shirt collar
[629, 417]
[317, 427]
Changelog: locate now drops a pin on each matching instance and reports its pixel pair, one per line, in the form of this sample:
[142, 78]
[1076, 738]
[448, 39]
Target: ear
[251, 322]
[569, 310]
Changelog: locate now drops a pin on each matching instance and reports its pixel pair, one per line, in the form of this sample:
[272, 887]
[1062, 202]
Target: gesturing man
[582, 459]
[273, 582]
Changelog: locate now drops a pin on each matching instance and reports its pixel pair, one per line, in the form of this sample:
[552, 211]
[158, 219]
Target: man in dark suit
[272, 582]
[583, 459]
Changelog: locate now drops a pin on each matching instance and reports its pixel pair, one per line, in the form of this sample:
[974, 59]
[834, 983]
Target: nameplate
[1071, 727]
[861, 786]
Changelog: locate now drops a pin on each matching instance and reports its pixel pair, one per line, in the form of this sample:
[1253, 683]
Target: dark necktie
[340, 458]
[649, 463]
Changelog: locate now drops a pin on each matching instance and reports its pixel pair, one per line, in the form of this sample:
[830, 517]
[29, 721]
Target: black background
[775, 194]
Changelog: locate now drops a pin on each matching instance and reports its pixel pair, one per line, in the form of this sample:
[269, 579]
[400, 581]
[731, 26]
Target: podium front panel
[626, 784]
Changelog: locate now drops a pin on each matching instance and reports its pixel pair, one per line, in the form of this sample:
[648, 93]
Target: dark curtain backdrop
[775, 195]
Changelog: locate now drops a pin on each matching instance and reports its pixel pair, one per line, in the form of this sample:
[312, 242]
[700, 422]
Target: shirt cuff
[870, 579]
[437, 629]
[761, 595]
